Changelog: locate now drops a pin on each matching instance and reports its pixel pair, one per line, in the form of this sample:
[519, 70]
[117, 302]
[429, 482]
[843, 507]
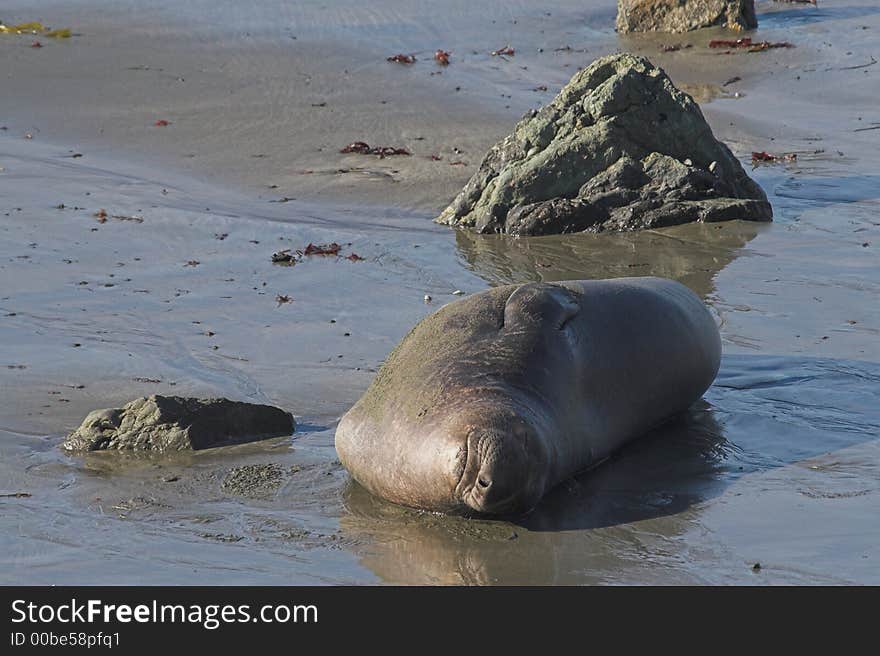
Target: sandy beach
[174, 292]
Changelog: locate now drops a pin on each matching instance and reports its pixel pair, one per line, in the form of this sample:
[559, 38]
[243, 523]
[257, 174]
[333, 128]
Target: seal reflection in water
[494, 399]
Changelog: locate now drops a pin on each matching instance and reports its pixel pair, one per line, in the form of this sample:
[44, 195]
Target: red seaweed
[759, 157]
[402, 59]
[505, 51]
[322, 249]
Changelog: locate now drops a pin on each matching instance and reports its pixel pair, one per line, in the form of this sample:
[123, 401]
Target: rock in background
[620, 148]
[173, 423]
[684, 15]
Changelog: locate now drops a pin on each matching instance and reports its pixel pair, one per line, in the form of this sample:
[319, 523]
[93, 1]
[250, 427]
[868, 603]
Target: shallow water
[778, 465]
[671, 509]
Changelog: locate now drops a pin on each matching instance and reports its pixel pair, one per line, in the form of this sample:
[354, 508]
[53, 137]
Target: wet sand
[779, 465]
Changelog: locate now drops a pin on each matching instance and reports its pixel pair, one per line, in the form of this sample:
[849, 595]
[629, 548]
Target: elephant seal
[494, 399]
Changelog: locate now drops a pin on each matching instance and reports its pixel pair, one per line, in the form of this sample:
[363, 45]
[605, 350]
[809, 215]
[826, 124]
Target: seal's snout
[485, 494]
[489, 498]
[503, 476]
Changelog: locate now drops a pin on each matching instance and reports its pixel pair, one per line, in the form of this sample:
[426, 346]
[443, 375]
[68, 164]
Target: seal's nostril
[483, 482]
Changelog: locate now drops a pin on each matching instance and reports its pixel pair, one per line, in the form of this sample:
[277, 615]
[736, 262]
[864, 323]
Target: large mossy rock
[684, 15]
[174, 423]
[620, 148]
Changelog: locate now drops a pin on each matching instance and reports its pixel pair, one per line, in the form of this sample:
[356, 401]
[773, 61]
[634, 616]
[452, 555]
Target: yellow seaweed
[35, 27]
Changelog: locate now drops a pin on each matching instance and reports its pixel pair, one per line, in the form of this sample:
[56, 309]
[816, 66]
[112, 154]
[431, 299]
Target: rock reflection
[691, 254]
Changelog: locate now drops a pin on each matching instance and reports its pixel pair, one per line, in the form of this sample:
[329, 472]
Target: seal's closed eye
[541, 302]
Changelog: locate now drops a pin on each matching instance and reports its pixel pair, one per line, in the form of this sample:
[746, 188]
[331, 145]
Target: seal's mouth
[477, 502]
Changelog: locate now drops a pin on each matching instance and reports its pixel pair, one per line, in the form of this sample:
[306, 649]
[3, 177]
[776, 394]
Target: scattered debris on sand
[440, 56]
[749, 45]
[766, 158]
[288, 257]
[173, 423]
[859, 66]
[284, 257]
[684, 15]
[363, 148]
[506, 51]
[101, 215]
[401, 59]
[322, 249]
[620, 148]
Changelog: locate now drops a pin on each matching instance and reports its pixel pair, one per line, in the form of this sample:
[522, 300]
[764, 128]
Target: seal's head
[505, 465]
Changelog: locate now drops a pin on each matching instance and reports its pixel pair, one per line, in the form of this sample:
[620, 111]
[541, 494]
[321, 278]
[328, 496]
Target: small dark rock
[174, 423]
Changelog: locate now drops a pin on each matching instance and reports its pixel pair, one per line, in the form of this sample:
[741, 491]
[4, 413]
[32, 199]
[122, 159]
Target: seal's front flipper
[541, 302]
